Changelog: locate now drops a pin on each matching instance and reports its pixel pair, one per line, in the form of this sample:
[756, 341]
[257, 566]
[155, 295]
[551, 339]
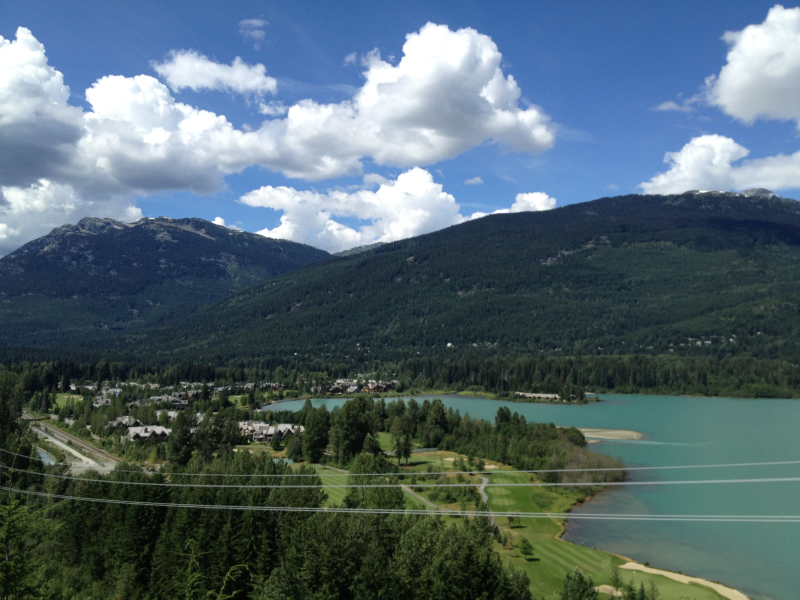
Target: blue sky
[397, 115]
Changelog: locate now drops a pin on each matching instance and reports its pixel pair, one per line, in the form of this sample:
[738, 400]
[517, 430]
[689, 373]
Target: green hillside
[101, 278]
[702, 274]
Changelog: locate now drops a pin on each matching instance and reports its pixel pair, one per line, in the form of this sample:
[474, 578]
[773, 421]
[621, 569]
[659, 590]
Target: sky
[344, 124]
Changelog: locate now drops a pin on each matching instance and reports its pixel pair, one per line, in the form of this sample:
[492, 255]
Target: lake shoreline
[632, 565]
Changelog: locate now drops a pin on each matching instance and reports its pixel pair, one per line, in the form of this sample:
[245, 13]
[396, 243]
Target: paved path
[485, 498]
[423, 499]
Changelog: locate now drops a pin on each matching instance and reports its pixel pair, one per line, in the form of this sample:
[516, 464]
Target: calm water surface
[760, 559]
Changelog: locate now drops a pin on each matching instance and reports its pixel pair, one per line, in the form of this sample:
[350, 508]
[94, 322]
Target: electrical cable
[443, 512]
[485, 472]
[423, 485]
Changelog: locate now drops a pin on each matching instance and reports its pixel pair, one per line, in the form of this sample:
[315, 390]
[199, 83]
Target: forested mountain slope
[101, 278]
[698, 273]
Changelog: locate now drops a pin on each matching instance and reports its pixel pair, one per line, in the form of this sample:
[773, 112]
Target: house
[98, 402]
[537, 396]
[147, 433]
[126, 421]
[335, 389]
[258, 431]
[353, 389]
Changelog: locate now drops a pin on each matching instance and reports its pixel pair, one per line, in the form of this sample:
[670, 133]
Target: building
[258, 431]
[126, 421]
[147, 433]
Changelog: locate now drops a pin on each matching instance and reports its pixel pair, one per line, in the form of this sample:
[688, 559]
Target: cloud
[706, 163]
[474, 181]
[533, 201]
[221, 222]
[190, 69]
[36, 209]
[445, 95]
[351, 58]
[7, 232]
[253, 29]
[671, 105]
[761, 79]
[524, 202]
[411, 205]
[273, 109]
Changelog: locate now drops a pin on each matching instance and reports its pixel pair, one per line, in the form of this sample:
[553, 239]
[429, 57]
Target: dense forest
[708, 275]
[500, 375]
[143, 540]
[101, 277]
[697, 274]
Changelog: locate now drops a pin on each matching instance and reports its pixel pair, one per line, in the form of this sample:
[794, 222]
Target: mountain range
[85, 283]
[697, 273]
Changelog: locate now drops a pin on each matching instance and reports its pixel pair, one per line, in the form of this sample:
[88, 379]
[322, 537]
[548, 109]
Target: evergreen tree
[181, 442]
[578, 586]
[315, 436]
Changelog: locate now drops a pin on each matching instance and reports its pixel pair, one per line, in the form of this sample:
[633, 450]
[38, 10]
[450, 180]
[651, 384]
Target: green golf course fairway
[552, 558]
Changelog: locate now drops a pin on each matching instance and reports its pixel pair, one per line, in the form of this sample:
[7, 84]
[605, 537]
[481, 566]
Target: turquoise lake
[760, 559]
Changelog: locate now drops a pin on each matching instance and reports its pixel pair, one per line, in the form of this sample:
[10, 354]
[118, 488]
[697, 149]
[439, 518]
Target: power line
[422, 485]
[442, 512]
[485, 472]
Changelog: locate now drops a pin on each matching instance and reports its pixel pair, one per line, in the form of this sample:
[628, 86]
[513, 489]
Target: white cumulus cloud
[446, 94]
[190, 69]
[532, 201]
[707, 163]
[411, 205]
[474, 181]
[524, 202]
[221, 222]
[761, 79]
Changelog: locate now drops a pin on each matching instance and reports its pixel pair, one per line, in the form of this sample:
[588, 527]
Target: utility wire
[443, 512]
[485, 472]
[422, 485]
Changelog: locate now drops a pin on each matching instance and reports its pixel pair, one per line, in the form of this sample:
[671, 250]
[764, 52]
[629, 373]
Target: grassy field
[553, 558]
[62, 399]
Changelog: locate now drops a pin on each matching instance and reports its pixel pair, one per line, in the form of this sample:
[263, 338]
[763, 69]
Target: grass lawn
[553, 558]
[62, 399]
[385, 440]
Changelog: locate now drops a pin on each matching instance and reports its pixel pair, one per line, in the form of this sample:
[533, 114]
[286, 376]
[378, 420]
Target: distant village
[168, 400]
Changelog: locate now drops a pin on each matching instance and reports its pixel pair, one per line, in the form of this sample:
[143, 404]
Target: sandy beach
[722, 590]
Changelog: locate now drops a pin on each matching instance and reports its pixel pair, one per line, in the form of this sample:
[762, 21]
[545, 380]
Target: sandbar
[722, 590]
[610, 434]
